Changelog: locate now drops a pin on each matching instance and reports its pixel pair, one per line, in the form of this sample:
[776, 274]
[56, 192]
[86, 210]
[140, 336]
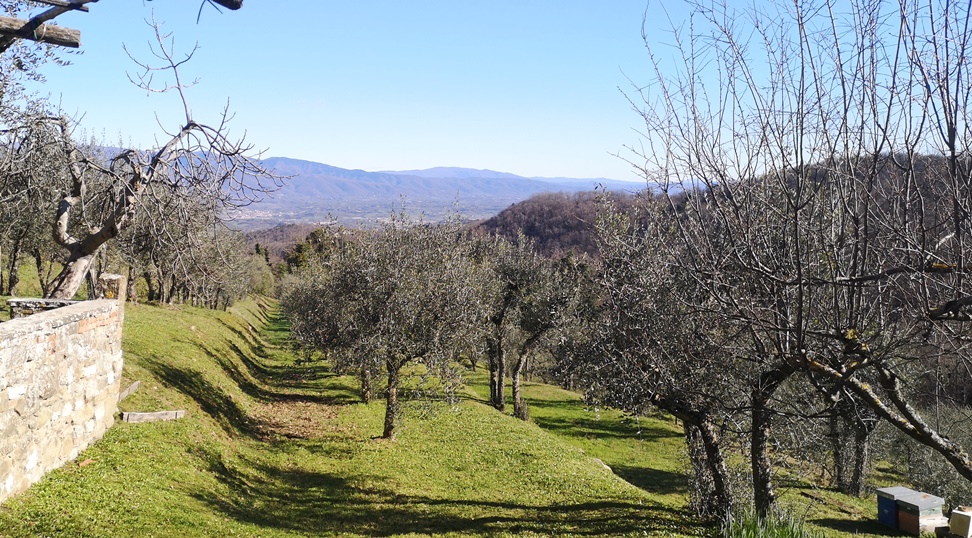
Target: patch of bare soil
[295, 419]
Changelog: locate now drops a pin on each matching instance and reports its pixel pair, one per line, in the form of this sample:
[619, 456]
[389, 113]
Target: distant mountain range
[317, 193]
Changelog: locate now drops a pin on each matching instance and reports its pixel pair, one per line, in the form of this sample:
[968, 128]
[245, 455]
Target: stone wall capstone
[60, 372]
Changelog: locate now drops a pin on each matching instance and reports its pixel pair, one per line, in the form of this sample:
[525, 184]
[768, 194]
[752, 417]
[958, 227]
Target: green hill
[272, 448]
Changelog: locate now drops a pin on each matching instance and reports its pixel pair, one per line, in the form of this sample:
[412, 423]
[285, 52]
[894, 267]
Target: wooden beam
[45, 33]
[128, 392]
[230, 4]
[133, 416]
[7, 39]
[62, 3]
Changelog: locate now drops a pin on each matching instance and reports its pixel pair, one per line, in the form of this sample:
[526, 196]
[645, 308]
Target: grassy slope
[272, 449]
[268, 449]
[649, 453]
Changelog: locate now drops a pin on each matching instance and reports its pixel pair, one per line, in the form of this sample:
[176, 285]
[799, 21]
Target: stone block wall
[60, 372]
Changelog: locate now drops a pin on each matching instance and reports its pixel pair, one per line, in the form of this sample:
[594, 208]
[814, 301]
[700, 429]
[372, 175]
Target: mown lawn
[273, 448]
[649, 453]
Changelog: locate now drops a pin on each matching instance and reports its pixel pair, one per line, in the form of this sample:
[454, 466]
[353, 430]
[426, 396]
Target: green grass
[646, 452]
[272, 448]
[650, 453]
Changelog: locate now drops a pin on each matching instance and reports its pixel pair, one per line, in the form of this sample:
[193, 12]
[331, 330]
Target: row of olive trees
[415, 298]
[801, 277]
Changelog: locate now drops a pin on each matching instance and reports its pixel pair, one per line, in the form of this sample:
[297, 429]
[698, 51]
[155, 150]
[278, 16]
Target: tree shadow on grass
[269, 388]
[318, 503]
[653, 480]
[281, 375]
[556, 416]
[851, 527]
[211, 399]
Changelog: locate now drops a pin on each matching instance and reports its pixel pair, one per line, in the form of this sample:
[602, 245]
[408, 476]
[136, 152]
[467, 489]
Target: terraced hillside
[272, 448]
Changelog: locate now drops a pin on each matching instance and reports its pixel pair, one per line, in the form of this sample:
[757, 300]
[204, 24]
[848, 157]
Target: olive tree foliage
[649, 343]
[401, 299]
[820, 153]
[20, 62]
[192, 259]
[28, 159]
[528, 300]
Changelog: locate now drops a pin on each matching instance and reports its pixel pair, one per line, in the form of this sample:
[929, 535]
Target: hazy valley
[316, 193]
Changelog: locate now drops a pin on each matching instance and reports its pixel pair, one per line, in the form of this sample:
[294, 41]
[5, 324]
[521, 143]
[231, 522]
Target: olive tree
[402, 298]
[650, 345]
[527, 301]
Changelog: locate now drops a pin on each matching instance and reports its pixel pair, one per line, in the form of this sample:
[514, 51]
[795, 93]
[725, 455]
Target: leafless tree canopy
[194, 179]
[817, 170]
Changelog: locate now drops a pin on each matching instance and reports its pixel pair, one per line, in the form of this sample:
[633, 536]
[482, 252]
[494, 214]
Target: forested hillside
[561, 223]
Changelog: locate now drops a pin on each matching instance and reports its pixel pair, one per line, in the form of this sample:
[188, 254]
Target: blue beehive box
[887, 501]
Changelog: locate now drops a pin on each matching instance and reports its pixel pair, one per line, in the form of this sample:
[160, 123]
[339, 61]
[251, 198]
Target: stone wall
[21, 308]
[60, 372]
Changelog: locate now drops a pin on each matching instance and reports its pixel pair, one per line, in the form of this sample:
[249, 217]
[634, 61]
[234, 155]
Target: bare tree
[821, 156]
[198, 172]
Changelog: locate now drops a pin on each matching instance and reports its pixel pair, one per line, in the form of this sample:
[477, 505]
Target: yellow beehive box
[960, 522]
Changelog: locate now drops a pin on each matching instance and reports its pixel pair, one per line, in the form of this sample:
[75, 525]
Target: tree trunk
[497, 372]
[520, 408]
[391, 399]
[67, 283]
[130, 285]
[153, 294]
[720, 504]
[1, 271]
[862, 458]
[500, 400]
[837, 449]
[708, 492]
[90, 279]
[365, 384]
[764, 494]
[13, 268]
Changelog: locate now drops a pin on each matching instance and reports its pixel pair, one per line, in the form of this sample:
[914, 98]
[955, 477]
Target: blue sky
[526, 86]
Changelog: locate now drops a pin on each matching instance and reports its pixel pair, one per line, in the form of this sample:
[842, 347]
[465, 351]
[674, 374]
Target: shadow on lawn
[853, 527]
[280, 374]
[267, 387]
[653, 480]
[559, 416]
[210, 398]
[324, 504]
